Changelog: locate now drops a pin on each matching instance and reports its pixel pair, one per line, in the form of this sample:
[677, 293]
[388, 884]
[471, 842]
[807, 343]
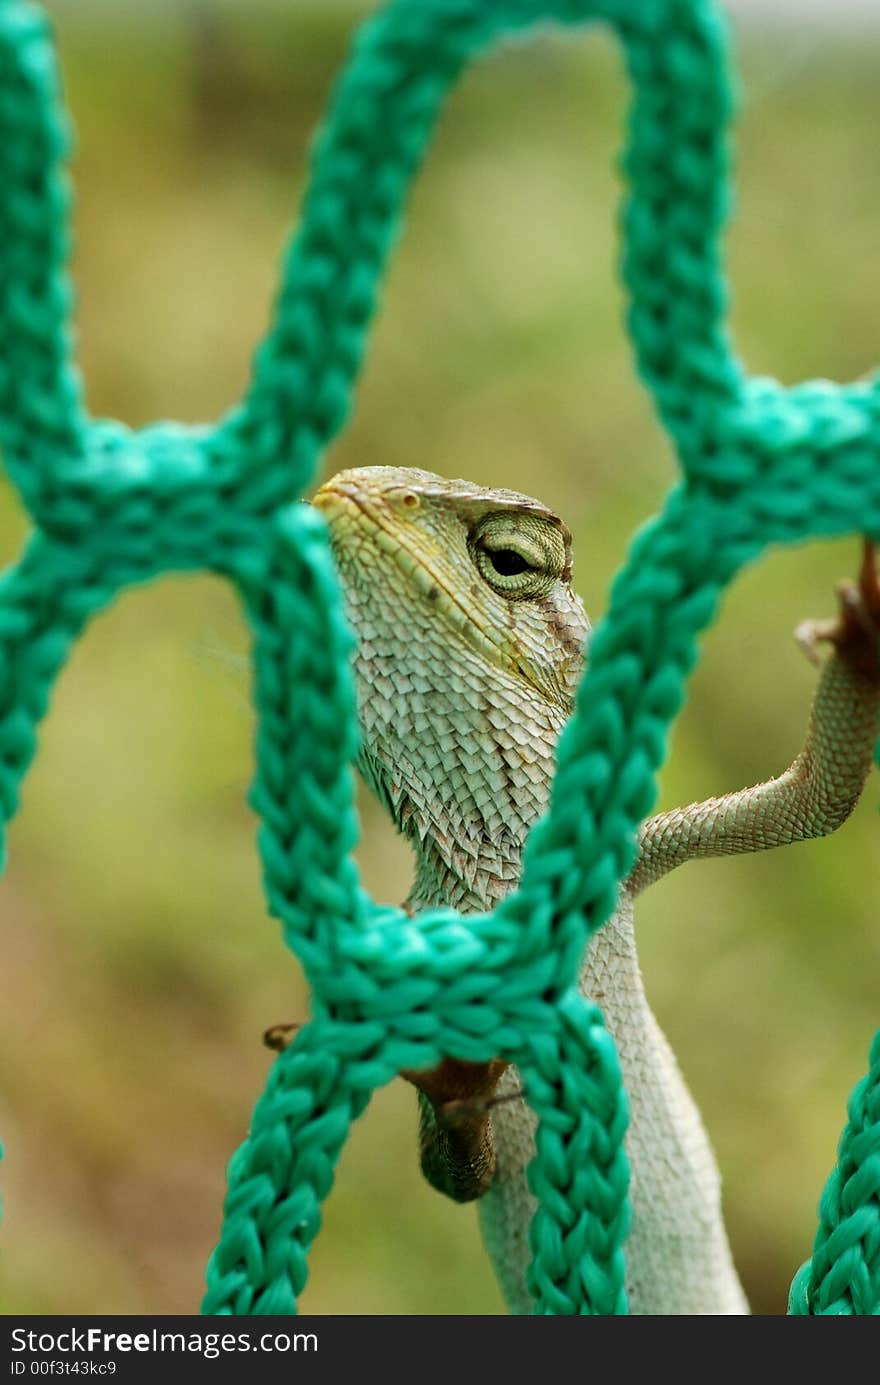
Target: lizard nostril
[409, 500]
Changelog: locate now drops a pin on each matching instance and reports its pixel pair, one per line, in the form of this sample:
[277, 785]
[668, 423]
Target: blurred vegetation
[139, 965]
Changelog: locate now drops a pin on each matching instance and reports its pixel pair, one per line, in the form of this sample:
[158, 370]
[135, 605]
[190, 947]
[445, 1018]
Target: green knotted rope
[112, 507]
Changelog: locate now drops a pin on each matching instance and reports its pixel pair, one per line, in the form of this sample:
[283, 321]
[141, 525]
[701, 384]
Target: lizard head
[470, 643]
[491, 567]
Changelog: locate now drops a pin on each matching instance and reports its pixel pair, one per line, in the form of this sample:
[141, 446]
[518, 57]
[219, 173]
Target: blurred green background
[139, 965]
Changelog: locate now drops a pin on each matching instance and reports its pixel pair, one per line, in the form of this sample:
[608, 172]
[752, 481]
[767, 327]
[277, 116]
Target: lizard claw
[280, 1036]
[810, 633]
[855, 631]
[869, 583]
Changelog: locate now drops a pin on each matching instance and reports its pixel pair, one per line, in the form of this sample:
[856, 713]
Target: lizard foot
[455, 1132]
[855, 630]
[457, 1085]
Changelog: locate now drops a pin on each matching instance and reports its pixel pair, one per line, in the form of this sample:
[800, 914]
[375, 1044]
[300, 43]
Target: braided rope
[114, 507]
[843, 1274]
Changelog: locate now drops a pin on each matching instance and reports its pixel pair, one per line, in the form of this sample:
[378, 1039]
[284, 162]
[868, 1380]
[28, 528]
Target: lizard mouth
[338, 502]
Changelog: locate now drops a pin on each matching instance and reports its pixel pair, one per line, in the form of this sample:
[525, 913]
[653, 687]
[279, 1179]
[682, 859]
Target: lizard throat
[463, 789]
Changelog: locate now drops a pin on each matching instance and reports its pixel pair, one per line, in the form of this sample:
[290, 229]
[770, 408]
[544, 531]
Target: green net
[111, 507]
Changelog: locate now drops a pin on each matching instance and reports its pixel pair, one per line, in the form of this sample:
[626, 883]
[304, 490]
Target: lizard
[470, 642]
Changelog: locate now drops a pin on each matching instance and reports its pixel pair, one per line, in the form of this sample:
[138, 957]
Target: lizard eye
[506, 561]
[518, 555]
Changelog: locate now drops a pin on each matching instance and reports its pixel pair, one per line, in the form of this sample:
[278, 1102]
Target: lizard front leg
[822, 785]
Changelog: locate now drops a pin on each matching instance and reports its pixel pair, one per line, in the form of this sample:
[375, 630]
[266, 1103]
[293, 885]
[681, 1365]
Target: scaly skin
[470, 644]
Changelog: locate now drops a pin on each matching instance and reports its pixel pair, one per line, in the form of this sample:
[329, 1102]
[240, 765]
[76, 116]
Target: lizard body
[470, 642]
